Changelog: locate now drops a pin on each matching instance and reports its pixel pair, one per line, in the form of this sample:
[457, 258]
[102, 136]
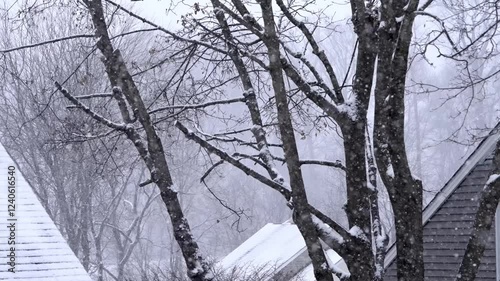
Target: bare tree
[126, 94]
[282, 79]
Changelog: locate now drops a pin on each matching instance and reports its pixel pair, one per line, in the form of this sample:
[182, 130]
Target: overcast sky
[161, 10]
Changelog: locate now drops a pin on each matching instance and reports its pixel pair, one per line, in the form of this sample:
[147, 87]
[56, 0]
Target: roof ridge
[479, 153]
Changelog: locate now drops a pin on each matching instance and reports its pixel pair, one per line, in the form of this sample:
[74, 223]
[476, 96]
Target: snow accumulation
[272, 248]
[327, 229]
[492, 179]
[356, 231]
[334, 261]
[41, 252]
[248, 17]
[380, 240]
[390, 171]
[218, 11]
[349, 107]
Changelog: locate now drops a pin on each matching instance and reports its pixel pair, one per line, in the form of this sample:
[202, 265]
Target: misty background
[88, 177]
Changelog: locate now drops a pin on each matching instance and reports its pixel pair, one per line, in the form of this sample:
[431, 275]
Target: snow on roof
[307, 274]
[273, 245]
[272, 248]
[42, 254]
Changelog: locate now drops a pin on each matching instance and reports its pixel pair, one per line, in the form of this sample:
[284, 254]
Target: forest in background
[95, 185]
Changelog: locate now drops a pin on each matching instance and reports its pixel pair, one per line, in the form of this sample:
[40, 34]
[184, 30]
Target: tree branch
[99, 95]
[94, 115]
[47, 42]
[197, 106]
[337, 98]
[271, 183]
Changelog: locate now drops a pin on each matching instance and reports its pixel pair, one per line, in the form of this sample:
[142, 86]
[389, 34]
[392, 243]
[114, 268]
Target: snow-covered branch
[254, 174]
[126, 128]
[379, 234]
[233, 161]
[313, 70]
[96, 95]
[250, 24]
[336, 164]
[197, 106]
[306, 88]
[91, 113]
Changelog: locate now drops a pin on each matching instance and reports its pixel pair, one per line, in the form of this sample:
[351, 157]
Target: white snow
[250, 91]
[325, 228]
[380, 239]
[349, 109]
[341, 270]
[248, 17]
[390, 171]
[335, 262]
[42, 252]
[271, 247]
[128, 202]
[370, 186]
[379, 270]
[387, 99]
[218, 10]
[279, 178]
[356, 231]
[492, 179]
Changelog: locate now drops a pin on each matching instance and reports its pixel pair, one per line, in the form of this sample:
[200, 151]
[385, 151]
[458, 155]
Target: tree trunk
[360, 259]
[301, 215]
[485, 215]
[152, 152]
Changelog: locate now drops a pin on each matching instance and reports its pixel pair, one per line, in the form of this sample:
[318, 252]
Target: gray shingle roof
[447, 231]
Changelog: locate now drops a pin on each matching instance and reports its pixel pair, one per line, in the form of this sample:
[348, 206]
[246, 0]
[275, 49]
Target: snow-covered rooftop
[272, 248]
[307, 274]
[42, 254]
[273, 245]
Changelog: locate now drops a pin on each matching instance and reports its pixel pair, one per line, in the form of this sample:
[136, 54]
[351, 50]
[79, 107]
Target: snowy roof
[42, 254]
[273, 247]
[307, 274]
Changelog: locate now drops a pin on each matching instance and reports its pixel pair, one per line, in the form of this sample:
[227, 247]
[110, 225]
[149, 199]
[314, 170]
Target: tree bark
[485, 216]
[405, 191]
[152, 152]
[301, 214]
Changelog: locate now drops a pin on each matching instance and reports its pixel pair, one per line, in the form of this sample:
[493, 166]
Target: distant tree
[289, 79]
